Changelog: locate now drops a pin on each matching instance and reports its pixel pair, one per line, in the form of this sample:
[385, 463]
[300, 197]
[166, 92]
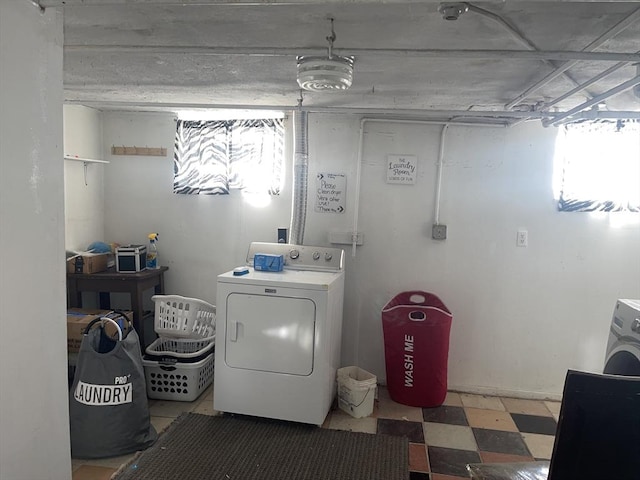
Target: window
[598, 167]
[213, 157]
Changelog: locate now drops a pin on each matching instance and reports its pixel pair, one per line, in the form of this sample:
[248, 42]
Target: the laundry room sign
[330, 192]
[401, 169]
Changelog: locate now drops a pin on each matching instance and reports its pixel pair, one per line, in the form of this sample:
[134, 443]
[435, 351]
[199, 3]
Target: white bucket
[356, 391]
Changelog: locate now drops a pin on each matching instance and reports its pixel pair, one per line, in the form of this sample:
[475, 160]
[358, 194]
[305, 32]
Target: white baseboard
[504, 392]
[497, 392]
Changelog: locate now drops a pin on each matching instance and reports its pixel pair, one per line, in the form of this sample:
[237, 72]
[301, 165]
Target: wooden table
[135, 284]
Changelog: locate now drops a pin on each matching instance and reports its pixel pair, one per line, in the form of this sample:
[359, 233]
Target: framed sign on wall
[401, 169]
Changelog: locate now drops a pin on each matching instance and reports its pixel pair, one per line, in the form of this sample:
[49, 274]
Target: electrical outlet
[439, 232]
[522, 239]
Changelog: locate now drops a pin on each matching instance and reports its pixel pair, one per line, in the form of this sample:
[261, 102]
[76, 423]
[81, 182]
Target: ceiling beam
[398, 52]
[422, 113]
[257, 3]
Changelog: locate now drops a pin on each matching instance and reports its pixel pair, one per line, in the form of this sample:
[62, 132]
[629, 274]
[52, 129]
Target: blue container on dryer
[265, 262]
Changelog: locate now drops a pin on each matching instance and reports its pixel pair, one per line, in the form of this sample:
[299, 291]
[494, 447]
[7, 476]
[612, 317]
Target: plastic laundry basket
[356, 391]
[416, 328]
[184, 317]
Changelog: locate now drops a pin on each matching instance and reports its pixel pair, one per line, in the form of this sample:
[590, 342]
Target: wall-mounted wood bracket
[141, 151]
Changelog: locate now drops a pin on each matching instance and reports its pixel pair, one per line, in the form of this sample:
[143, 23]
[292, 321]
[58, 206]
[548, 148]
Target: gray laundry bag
[108, 407]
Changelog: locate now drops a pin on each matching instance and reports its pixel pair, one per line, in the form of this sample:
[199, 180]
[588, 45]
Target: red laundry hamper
[416, 328]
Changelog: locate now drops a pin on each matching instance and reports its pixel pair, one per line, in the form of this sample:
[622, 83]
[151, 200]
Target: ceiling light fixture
[330, 73]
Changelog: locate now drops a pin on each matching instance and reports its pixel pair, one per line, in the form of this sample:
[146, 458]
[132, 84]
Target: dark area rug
[234, 447]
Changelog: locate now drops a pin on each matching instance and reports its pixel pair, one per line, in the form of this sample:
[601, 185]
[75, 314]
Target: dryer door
[270, 333]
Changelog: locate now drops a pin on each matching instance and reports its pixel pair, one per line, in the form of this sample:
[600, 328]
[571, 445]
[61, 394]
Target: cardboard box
[79, 318]
[89, 263]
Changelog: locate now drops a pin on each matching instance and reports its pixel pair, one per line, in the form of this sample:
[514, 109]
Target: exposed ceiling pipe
[547, 105]
[356, 207]
[406, 121]
[396, 52]
[566, 116]
[439, 165]
[600, 76]
[198, 3]
[37, 5]
[596, 115]
[516, 34]
[612, 32]
[433, 115]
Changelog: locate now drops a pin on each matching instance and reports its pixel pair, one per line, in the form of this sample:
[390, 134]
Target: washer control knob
[316, 255]
[635, 325]
[328, 256]
[294, 254]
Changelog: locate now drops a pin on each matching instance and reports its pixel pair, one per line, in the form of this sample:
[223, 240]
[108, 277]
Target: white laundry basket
[356, 391]
[182, 382]
[184, 317]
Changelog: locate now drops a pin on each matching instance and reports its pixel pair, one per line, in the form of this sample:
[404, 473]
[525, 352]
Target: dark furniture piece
[135, 284]
[598, 434]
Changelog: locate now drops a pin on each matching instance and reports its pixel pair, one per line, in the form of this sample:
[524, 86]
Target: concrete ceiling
[148, 54]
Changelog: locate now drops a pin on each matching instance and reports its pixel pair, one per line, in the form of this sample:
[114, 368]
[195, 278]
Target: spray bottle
[152, 251]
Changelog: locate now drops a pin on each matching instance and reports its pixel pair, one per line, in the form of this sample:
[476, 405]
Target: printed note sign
[330, 190]
[401, 169]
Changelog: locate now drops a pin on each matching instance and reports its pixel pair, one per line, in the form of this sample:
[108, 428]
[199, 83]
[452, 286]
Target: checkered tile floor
[465, 429]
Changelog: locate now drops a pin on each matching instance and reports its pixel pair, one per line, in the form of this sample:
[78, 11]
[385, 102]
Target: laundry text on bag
[103, 395]
[408, 361]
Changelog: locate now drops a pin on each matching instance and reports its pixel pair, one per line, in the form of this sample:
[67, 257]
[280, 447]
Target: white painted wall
[34, 421]
[522, 316]
[200, 236]
[84, 187]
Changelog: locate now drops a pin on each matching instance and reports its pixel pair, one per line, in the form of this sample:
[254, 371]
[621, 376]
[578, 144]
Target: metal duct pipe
[300, 176]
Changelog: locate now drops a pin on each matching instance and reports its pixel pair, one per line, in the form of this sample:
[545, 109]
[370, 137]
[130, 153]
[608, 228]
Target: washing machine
[278, 335]
[623, 347]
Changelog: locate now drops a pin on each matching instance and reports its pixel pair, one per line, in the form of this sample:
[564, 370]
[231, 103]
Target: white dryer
[623, 348]
[278, 335]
